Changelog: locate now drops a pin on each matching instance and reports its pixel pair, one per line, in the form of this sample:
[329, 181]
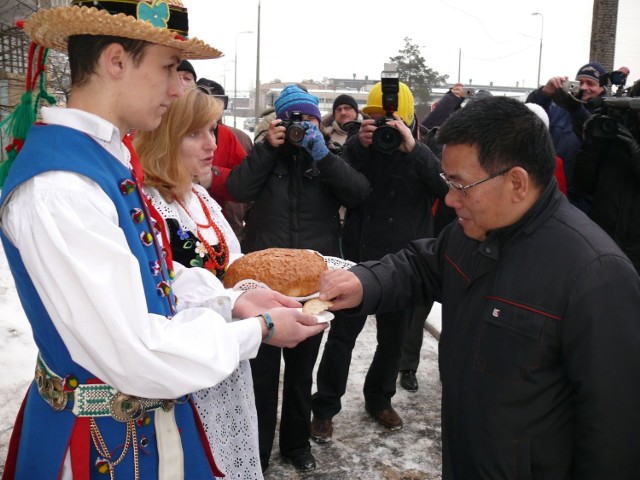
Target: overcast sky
[499, 39]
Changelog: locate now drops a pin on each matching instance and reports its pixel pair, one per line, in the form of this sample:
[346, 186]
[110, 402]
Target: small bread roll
[316, 306]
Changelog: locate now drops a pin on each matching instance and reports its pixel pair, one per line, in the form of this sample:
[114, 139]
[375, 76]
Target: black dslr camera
[294, 129]
[611, 112]
[387, 139]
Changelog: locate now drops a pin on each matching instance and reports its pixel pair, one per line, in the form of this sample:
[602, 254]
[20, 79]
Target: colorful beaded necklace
[221, 258]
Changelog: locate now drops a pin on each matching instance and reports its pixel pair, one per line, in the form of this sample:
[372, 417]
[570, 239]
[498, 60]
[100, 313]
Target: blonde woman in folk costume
[173, 157]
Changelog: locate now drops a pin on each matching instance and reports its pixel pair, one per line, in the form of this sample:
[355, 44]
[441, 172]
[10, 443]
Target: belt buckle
[51, 389]
[125, 408]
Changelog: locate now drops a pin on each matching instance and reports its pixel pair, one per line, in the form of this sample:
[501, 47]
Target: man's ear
[520, 183]
[114, 60]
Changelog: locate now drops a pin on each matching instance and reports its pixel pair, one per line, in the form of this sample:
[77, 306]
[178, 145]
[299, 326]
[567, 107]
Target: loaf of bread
[293, 272]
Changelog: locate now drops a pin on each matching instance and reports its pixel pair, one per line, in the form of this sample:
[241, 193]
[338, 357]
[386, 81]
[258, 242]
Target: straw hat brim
[52, 27]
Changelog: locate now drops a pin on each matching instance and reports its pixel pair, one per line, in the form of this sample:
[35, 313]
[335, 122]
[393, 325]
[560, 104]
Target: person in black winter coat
[609, 169]
[567, 114]
[540, 341]
[297, 191]
[404, 184]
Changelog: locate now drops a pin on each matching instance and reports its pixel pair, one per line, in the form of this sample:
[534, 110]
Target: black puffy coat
[295, 203]
[540, 345]
[612, 176]
[398, 210]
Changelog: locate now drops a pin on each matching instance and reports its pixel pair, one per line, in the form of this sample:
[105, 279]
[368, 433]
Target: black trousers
[410, 358]
[380, 382]
[295, 419]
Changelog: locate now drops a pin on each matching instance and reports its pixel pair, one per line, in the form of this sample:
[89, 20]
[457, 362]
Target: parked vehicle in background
[250, 124]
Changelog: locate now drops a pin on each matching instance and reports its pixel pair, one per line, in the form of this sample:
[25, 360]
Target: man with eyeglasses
[540, 341]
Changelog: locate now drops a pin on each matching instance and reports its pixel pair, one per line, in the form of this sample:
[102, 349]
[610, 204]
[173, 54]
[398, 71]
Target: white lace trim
[174, 211]
[228, 413]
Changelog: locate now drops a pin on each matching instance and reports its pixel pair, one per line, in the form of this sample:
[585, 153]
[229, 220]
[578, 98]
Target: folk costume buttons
[137, 215]
[127, 186]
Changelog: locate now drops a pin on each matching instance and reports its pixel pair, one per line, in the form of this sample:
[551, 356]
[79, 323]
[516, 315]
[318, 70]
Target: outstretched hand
[342, 287]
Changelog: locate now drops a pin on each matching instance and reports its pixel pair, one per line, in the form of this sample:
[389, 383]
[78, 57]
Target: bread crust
[293, 272]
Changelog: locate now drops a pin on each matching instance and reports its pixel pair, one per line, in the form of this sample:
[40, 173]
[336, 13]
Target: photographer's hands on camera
[368, 127]
[555, 88]
[276, 133]
[314, 142]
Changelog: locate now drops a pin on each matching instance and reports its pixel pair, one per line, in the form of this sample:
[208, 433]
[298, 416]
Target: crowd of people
[520, 218]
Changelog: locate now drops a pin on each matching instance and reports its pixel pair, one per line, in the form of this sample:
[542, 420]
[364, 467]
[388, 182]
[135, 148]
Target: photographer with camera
[404, 177]
[297, 187]
[608, 168]
[566, 104]
[344, 119]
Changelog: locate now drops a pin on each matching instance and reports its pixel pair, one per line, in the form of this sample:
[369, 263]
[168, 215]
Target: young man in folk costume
[118, 354]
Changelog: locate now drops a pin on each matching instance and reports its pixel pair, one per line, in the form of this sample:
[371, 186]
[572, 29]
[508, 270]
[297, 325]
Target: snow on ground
[17, 355]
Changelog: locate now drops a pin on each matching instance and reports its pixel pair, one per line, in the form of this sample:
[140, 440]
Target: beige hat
[163, 22]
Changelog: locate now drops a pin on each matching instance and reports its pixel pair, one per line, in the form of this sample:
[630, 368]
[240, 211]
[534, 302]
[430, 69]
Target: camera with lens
[294, 129]
[616, 78]
[469, 92]
[572, 87]
[612, 112]
[387, 139]
[351, 127]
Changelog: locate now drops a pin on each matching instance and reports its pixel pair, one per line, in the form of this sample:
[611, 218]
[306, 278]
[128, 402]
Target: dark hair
[506, 133]
[84, 51]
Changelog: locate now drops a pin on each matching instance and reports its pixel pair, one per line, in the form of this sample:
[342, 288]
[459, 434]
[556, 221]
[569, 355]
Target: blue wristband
[269, 323]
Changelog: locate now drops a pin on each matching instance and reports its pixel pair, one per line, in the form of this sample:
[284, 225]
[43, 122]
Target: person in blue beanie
[297, 187]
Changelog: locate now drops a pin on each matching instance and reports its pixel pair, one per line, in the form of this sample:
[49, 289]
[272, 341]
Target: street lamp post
[540, 54]
[235, 76]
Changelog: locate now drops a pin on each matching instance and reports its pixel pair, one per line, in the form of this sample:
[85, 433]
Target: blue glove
[314, 142]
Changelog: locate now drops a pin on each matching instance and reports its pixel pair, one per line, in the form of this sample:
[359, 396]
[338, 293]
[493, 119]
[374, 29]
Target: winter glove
[628, 149]
[567, 101]
[314, 142]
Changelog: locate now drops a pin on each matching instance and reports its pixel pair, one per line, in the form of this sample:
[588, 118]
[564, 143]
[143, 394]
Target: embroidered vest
[45, 433]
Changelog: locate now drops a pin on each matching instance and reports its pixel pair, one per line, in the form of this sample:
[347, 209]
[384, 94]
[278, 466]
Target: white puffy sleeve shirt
[66, 229]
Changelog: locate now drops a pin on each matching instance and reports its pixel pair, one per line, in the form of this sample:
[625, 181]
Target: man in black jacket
[404, 183]
[540, 341]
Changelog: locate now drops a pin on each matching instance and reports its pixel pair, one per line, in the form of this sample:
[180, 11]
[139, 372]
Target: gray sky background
[499, 39]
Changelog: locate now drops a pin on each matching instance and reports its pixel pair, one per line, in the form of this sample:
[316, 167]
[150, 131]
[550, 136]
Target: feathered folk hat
[163, 22]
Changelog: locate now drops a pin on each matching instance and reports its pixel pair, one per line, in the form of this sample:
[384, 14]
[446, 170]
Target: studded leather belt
[94, 400]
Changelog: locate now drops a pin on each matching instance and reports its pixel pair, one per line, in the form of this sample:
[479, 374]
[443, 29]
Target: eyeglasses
[463, 188]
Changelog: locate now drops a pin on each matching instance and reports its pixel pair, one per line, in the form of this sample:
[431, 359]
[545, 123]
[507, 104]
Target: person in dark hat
[187, 73]
[345, 110]
[567, 115]
[233, 145]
